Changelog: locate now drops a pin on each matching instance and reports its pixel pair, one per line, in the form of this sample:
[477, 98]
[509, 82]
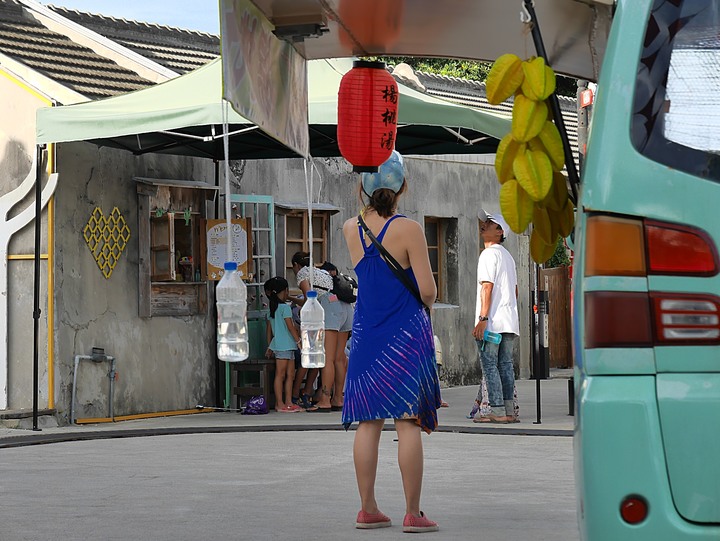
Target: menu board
[216, 244]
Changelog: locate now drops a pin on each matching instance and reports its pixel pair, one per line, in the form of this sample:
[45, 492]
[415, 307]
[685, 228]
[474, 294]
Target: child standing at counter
[283, 338]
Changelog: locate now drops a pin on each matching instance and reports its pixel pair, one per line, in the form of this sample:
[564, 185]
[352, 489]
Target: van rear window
[676, 118]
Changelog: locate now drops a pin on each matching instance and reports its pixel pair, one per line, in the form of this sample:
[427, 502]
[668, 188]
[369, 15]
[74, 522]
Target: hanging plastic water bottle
[232, 331]
[312, 332]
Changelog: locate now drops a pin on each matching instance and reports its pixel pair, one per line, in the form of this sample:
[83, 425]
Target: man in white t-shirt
[496, 312]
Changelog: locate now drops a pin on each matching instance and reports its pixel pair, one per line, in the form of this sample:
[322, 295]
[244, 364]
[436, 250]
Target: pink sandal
[370, 521]
[292, 408]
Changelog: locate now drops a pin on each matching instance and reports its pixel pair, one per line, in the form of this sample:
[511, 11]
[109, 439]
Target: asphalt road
[281, 486]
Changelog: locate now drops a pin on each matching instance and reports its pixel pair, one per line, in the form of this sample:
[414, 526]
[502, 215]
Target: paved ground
[286, 477]
[554, 418]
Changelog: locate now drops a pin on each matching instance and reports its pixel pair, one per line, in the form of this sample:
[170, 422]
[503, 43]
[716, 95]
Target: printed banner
[264, 78]
[216, 245]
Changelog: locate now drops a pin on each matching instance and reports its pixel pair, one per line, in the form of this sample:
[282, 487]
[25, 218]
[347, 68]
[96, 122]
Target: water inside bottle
[313, 360]
[233, 352]
[232, 334]
[313, 348]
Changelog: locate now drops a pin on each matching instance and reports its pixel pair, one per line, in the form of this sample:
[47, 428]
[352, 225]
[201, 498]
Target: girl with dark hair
[391, 370]
[283, 339]
[338, 322]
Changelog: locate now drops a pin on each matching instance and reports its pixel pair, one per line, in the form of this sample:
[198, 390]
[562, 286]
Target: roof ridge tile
[60, 9]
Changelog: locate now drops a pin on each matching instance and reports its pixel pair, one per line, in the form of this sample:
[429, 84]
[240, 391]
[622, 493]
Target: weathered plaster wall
[164, 363]
[17, 147]
[168, 363]
[438, 188]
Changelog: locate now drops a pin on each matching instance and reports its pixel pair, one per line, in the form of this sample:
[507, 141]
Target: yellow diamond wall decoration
[106, 237]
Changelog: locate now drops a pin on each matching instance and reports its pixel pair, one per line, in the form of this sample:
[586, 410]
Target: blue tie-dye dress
[391, 371]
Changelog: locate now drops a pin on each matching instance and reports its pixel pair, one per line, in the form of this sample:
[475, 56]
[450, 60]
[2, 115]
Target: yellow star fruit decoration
[529, 159]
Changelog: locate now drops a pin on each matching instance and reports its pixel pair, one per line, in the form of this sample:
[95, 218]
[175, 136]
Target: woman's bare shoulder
[350, 225]
[407, 225]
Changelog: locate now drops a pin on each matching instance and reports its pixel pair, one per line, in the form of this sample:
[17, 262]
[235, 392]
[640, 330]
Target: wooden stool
[265, 370]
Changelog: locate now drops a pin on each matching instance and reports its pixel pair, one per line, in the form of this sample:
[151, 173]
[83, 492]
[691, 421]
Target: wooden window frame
[159, 292]
[439, 273]
[322, 238]
[162, 244]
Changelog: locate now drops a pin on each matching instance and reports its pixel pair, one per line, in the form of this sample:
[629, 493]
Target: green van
[646, 290]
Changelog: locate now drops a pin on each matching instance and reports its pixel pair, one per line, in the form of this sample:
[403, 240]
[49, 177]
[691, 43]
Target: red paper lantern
[367, 115]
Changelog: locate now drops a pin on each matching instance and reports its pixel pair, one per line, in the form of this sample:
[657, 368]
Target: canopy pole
[36, 281]
[529, 7]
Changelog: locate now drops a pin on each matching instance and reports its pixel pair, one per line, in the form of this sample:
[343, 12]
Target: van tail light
[618, 246]
[686, 319]
[614, 246]
[676, 249]
[621, 246]
[617, 319]
[621, 319]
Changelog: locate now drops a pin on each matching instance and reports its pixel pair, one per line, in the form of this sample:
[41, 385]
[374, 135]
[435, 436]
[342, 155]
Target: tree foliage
[466, 69]
[560, 258]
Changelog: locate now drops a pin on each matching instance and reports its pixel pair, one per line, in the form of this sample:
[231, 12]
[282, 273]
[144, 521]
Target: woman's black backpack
[344, 288]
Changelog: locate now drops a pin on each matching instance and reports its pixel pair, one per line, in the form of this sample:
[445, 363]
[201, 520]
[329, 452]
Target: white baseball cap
[496, 218]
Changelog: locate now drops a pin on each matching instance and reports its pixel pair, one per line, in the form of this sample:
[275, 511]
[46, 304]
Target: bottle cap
[230, 266]
[312, 294]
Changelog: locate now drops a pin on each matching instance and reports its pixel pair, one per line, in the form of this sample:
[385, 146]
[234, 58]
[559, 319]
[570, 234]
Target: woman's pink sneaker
[421, 524]
[369, 521]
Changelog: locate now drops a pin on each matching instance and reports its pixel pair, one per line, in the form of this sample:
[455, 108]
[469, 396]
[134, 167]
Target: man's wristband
[483, 318]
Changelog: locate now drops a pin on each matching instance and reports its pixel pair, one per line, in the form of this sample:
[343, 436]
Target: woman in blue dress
[391, 370]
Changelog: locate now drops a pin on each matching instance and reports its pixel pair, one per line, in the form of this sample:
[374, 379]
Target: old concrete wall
[167, 363]
[164, 363]
[17, 147]
[438, 188]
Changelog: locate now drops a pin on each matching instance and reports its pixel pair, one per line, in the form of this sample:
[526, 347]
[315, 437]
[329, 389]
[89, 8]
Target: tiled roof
[58, 57]
[174, 48]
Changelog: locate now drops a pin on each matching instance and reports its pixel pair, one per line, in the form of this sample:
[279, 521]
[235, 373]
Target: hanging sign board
[264, 78]
[216, 244]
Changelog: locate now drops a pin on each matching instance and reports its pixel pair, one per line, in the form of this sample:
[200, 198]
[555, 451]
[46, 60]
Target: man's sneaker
[421, 524]
[369, 521]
